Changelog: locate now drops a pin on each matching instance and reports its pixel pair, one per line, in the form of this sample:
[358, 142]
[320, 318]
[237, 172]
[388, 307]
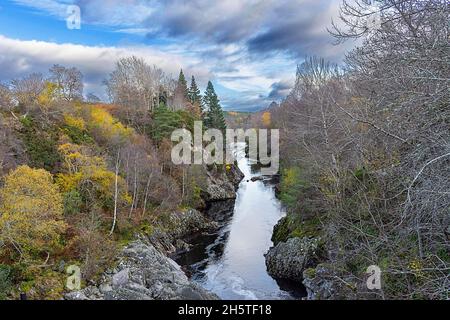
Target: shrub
[31, 211]
[5, 281]
[40, 145]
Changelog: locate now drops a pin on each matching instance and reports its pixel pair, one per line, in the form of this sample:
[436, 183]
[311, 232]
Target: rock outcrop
[288, 260]
[222, 185]
[143, 273]
[323, 283]
[168, 237]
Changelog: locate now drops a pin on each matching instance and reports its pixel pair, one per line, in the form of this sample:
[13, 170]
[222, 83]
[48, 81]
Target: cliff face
[222, 184]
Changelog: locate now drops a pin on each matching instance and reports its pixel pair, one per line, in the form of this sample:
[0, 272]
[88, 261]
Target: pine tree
[182, 85]
[194, 94]
[214, 117]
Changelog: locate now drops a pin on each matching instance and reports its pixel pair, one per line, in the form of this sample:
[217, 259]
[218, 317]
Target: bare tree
[376, 139]
[92, 98]
[26, 90]
[69, 82]
[5, 97]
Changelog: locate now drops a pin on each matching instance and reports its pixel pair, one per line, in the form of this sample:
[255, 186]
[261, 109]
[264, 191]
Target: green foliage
[182, 85]
[165, 121]
[194, 94]
[361, 174]
[41, 144]
[292, 185]
[302, 219]
[73, 202]
[42, 284]
[5, 281]
[214, 117]
[75, 128]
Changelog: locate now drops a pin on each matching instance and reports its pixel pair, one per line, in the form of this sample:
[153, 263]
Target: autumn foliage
[31, 213]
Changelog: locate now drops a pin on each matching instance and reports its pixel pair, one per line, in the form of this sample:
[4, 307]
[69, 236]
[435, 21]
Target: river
[230, 262]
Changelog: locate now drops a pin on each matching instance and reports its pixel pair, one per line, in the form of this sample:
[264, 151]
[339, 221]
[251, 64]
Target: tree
[92, 98]
[27, 90]
[182, 84]
[165, 121]
[69, 82]
[373, 146]
[266, 119]
[5, 97]
[181, 96]
[138, 88]
[214, 117]
[47, 96]
[194, 94]
[31, 212]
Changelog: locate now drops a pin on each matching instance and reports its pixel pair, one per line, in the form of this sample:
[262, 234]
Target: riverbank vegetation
[366, 152]
[79, 178]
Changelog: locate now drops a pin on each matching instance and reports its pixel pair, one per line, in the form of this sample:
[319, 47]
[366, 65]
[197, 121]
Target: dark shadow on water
[229, 261]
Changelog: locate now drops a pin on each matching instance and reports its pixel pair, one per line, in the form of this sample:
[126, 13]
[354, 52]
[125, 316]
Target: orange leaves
[266, 119]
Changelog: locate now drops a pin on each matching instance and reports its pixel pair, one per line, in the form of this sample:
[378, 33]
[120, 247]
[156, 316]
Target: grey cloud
[279, 90]
[233, 38]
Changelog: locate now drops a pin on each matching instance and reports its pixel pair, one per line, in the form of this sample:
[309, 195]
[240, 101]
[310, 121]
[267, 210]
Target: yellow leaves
[75, 158]
[416, 268]
[31, 211]
[68, 182]
[48, 95]
[108, 127]
[266, 119]
[291, 176]
[75, 122]
[88, 171]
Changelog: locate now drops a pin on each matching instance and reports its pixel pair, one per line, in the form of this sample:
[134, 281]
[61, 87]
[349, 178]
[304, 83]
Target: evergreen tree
[182, 85]
[214, 117]
[194, 94]
[164, 123]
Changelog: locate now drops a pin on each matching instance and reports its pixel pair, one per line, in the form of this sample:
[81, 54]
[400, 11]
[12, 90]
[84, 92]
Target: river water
[230, 262]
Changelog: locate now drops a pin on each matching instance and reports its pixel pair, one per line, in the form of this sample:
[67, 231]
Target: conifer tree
[214, 117]
[194, 94]
[182, 85]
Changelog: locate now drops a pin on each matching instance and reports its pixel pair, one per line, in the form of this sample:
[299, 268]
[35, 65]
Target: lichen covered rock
[288, 260]
[222, 184]
[143, 273]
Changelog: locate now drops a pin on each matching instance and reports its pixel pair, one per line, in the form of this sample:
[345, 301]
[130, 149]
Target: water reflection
[231, 261]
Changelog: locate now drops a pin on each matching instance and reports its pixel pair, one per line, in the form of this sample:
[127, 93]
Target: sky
[249, 49]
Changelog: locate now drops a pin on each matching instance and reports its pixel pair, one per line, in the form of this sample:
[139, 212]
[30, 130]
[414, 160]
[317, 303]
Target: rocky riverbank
[288, 260]
[143, 273]
[144, 269]
[222, 184]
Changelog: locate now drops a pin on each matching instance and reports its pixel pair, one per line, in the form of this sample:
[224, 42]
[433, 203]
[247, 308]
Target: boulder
[288, 260]
[168, 237]
[324, 283]
[143, 273]
[222, 185]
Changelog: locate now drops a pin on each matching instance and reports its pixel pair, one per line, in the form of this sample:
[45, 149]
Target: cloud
[249, 48]
[265, 27]
[19, 58]
[280, 89]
